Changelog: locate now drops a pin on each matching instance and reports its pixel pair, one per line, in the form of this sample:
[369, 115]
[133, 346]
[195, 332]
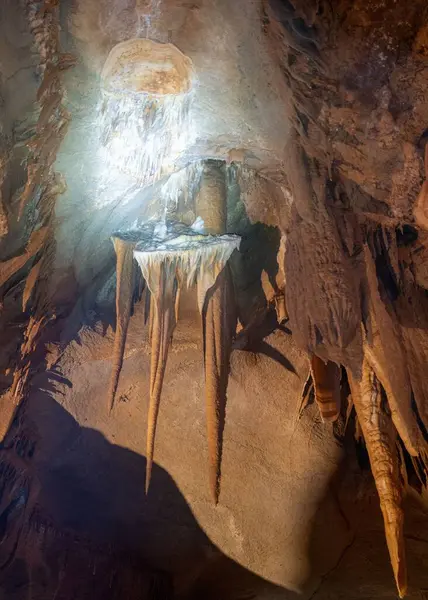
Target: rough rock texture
[313, 116]
[354, 295]
[284, 482]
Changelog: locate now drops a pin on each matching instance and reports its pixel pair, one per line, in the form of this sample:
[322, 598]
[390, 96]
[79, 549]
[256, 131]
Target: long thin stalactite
[124, 288]
[219, 327]
[164, 321]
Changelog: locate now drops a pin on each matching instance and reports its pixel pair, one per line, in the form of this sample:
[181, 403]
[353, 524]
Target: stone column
[210, 203]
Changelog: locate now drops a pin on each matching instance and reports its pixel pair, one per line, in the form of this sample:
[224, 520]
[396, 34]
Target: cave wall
[321, 111]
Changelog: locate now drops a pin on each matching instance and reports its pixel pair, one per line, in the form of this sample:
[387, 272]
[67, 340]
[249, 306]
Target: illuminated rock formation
[145, 125]
[218, 319]
[182, 258]
[148, 67]
[304, 124]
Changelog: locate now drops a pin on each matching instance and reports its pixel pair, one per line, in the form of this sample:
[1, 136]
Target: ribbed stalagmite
[124, 287]
[381, 438]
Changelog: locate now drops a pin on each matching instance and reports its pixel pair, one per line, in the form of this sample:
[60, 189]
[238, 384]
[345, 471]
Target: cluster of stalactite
[388, 388]
[354, 300]
[166, 272]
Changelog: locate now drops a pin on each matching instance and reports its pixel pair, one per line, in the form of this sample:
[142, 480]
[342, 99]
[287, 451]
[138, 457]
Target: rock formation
[326, 379]
[381, 438]
[296, 131]
[176, 259]
[124, 290]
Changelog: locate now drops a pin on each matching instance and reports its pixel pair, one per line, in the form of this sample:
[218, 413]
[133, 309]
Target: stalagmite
[124, 288]
[381, 437]
[211, 199]
[326, 378]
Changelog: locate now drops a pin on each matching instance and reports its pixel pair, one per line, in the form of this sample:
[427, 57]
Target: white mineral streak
[142, 135]
[144, 118]
[198, 226]
[194, 258]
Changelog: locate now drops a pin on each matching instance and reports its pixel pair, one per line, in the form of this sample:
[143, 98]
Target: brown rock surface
[310, 119]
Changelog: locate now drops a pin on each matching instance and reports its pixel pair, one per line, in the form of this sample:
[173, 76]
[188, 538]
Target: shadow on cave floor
[89, 516]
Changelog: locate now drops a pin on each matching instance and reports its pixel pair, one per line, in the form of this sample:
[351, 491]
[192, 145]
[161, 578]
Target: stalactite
[53, 118]
[307, 395]
[380, 436]
[124, 289]
[325, 319]
[12, 399]
[421, 206]
[177, 299]
[4, 160]
[178, 261]
[151, 317]
[219, 325]
[32, 334]
[326, 378]
[164, 298]
[275, 297]
[50, 131]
